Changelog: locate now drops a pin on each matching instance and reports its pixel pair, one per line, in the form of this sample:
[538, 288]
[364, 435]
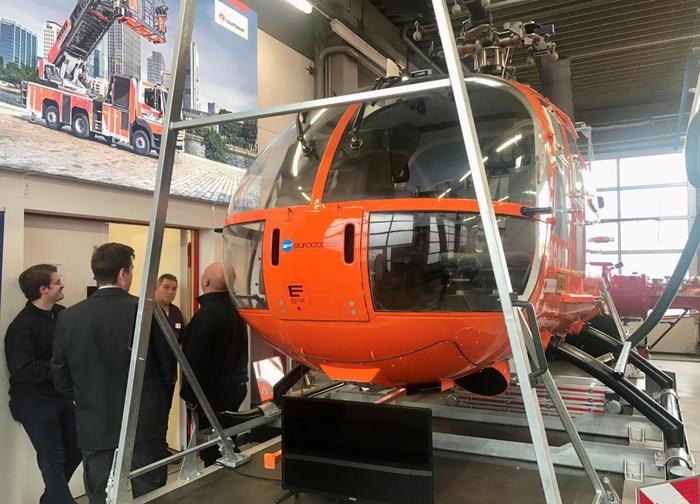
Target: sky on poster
[227, 62]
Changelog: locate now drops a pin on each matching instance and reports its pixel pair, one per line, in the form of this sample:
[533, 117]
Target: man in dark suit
[215, 343]
[166, 290]
[92, 351]
[47, 416]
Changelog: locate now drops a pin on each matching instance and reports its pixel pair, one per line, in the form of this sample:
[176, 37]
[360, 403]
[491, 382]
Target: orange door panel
[315, 278]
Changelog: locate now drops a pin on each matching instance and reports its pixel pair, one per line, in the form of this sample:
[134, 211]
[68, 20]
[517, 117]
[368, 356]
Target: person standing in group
[215, 343]
[166, 290]
[47, 416]
[91, 358]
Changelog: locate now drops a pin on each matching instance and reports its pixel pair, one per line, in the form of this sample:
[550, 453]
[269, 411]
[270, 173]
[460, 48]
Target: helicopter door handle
[534, 211]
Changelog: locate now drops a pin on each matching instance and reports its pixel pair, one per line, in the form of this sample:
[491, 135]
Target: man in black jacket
[92, 351]
[48, 417]
[166, 290]
[215, 343]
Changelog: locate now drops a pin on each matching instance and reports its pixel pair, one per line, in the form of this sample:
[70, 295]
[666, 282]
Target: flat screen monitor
[361, 452]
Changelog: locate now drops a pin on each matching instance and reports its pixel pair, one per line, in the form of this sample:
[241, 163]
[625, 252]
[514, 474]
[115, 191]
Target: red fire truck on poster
[132, 111]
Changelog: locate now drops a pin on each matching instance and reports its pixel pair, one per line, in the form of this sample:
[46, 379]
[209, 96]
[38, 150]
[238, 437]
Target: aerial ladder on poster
[123, 109]
[519, 317]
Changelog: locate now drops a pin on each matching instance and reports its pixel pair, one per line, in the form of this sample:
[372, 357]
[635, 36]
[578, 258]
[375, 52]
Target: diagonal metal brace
[231, 458]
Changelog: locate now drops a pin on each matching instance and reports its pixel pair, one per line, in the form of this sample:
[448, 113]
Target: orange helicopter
[354, 244]
[357, 247]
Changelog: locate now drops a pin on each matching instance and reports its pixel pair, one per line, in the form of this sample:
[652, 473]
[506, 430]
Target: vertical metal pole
[118, 490]
[566, 421]
[495, 248]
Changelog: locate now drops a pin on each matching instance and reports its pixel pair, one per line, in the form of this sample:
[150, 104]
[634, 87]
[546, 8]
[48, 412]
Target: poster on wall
[83, 89]
[2, 245]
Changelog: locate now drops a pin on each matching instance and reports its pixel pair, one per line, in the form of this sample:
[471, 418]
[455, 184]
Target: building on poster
[51, 30]
[221, 77]
[17, 44]
[124, 51]
[155, 66]
[191, 97]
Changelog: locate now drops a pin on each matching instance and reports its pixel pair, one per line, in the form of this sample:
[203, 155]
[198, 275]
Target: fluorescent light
[443, 194]
[303, 5]
[358, 43]
[485, 81]
[317, 115]
[464, 177]
[469, 218]
[504, 198]
[518, 162]
[306, 196]
[509, 142]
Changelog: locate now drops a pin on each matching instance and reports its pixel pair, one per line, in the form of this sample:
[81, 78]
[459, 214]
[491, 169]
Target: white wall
[282, 78]
[67, 243]
[29, 194]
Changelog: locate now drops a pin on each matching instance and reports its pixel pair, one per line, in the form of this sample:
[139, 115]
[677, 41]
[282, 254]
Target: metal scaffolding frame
[522, 341]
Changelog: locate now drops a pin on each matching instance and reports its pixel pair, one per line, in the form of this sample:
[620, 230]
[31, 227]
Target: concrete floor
[458, 478]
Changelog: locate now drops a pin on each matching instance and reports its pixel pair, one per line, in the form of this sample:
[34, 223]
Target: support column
[342, 75]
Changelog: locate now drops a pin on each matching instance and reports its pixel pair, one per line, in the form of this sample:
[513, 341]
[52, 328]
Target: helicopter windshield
[413, 148]
[410, 148]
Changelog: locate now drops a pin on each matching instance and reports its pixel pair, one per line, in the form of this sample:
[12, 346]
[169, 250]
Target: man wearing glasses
[47, 417]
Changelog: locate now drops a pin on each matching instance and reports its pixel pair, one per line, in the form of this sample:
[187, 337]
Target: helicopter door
[313, 271]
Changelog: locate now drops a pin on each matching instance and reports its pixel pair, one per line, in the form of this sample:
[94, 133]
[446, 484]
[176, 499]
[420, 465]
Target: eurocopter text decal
[289, 245]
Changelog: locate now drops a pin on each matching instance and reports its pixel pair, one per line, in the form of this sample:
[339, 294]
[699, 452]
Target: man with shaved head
[215, 343]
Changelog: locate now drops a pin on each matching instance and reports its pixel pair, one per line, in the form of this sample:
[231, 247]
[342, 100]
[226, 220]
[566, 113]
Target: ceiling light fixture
[303, 5]
[509, 142]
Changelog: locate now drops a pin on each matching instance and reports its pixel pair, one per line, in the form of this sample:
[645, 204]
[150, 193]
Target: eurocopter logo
[289, 245]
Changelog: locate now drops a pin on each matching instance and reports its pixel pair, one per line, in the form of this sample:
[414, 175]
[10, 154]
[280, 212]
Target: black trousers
[169, 391]
[50, 424]
[97, 465]
[235, 399]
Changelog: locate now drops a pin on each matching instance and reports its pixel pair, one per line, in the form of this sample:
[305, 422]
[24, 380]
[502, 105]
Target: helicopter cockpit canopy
[408, 148]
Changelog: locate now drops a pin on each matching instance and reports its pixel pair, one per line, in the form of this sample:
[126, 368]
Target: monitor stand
[286, 496]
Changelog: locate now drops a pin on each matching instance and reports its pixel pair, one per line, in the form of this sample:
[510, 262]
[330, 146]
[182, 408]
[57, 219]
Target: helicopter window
[413, 148]
[298, 172]
[243, 264]
[282, 175]
[561, 195]
[435, 261]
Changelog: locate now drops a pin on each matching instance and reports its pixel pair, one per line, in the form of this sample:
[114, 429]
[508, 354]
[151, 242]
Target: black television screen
[359, 451]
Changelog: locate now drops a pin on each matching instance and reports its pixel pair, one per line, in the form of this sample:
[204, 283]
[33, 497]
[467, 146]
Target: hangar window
[438, 261]
[646, 213]
[413, 148]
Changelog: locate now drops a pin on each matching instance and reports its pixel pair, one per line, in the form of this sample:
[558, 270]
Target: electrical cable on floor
[247, 475]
